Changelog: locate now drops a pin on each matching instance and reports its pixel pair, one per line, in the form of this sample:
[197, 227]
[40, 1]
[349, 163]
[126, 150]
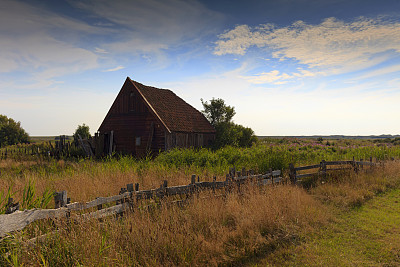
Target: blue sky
[289, 67]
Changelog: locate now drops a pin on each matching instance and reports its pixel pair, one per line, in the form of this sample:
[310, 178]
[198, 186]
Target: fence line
[322, 168]
[60, 147]
[17, 220]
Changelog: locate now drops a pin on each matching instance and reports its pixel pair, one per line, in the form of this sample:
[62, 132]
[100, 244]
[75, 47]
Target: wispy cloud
[100, 50]
[114, 69]
[30, 44]
[274, 77]
[153, 25]
[334, 46]
[278, 78]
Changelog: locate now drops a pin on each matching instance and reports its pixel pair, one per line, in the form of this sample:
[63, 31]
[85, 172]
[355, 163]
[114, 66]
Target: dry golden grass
[211, 231]
[229, 230]
[351, 190]
[88, 180]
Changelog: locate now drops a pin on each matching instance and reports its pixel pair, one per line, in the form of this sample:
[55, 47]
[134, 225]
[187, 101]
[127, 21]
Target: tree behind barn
[228, 133]
[82, 130]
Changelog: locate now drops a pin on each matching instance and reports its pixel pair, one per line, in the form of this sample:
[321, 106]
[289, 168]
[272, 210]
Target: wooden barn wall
[129, 118]
[182, 139]
[127, 127]
[127, 103]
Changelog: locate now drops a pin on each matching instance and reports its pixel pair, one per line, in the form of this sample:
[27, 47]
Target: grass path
[365, 236]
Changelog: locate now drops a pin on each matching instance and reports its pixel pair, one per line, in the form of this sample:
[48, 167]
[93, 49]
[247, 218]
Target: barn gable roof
[173, 111]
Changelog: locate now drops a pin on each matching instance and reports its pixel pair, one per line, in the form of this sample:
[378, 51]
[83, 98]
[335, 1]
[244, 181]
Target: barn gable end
[145, 118]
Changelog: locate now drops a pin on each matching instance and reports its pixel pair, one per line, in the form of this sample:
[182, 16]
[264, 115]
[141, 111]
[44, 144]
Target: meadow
[235, 229]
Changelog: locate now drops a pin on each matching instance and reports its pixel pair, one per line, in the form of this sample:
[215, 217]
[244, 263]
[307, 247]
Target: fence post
[60, 199]
[193, 180]
[232, 172]
[11, 206]
[355, 165]
[129, 187]
[323, 167]
[292, 174]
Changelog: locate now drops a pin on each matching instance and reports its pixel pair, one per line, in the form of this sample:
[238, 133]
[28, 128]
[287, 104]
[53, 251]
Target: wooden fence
[58, 148]
[296, 175]
[130, 196]
[16, 220]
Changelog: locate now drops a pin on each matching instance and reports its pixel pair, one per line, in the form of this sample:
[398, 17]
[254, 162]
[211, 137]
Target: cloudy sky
[289, 67]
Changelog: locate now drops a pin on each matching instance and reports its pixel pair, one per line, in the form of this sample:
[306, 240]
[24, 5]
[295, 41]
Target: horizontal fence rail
[325, 167]
[17, 220]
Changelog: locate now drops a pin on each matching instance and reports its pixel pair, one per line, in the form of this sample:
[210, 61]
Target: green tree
[217, 111]
[82, 130]
[11, 132]
[227, 133]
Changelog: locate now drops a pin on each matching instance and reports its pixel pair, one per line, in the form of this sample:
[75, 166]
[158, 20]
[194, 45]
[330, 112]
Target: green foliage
[276, 154]
[82, 130]
[227, 133]
[30, 200]
[11, 132]
[217, 111]
[4, 196]
[230, 134]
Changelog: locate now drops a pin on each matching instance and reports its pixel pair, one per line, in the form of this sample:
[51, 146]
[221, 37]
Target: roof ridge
[149, 104]
[173, 112]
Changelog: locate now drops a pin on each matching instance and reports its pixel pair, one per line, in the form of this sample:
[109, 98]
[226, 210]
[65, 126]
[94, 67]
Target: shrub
[11, 132]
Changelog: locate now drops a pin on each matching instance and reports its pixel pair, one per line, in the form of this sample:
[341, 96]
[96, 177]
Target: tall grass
[107, 176]
[206, 232]
[231, 230]
[261, 157]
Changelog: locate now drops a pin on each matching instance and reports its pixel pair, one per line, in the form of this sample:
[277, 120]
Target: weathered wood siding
[130, 118]
[182, 139]
[128, 127]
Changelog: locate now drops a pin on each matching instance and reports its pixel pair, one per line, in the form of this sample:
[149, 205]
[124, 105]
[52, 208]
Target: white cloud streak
[333, 46]
[278, 78]
[115, 69]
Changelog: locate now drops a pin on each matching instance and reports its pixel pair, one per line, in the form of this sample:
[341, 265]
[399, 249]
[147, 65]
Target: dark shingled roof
[173, 111]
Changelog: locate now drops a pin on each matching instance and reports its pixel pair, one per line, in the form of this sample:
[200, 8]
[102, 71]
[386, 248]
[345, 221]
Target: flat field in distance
[259, 226]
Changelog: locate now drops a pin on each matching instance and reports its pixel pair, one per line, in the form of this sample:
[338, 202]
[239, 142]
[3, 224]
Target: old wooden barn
[146, 119]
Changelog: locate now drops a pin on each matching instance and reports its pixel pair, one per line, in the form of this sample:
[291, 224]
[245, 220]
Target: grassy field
[277, 225]
[365, 236]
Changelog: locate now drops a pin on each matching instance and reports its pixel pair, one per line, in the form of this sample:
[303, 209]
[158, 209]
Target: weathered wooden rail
[324, 167]
[17, 220]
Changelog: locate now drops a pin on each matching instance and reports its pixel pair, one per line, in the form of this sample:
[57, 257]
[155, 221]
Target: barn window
[132, 101]
[138, 141]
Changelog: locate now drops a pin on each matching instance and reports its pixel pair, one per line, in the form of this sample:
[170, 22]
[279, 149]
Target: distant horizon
[306, 136]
